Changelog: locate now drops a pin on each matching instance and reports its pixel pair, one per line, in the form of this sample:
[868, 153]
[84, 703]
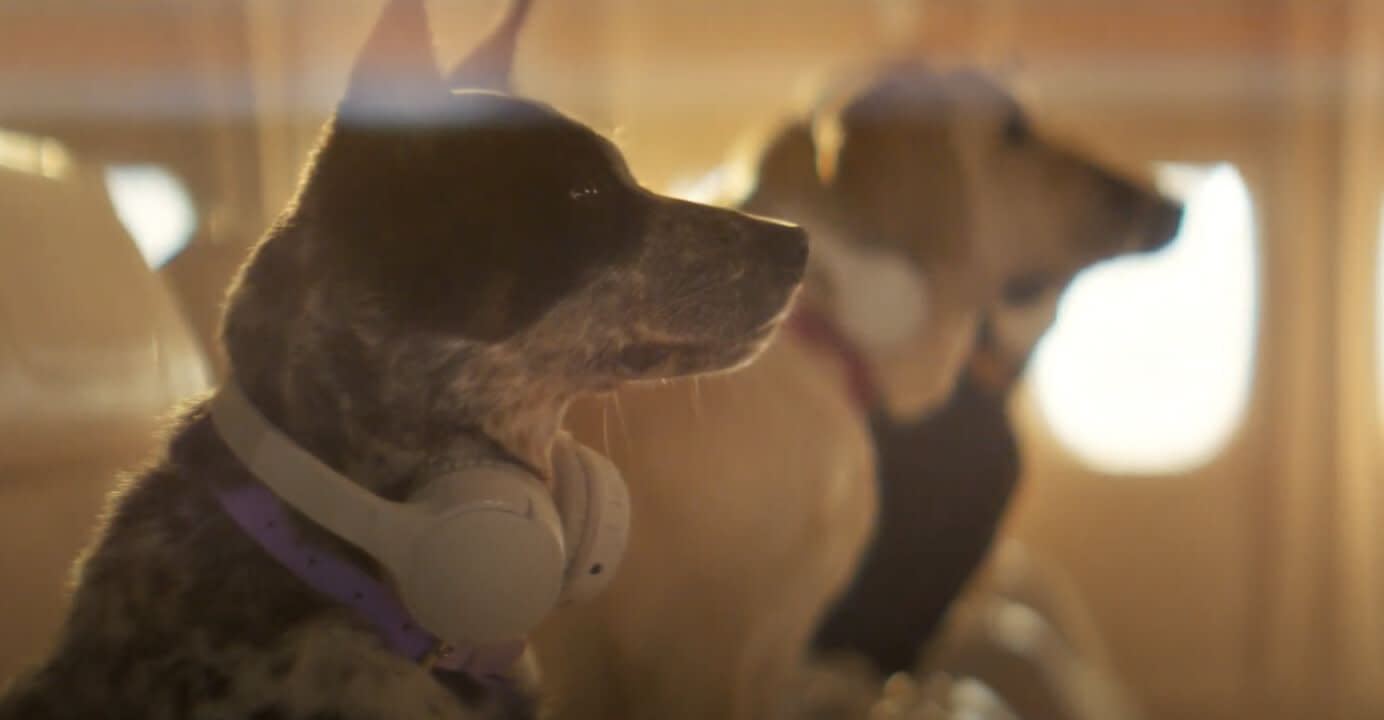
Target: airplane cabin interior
[1193, 529]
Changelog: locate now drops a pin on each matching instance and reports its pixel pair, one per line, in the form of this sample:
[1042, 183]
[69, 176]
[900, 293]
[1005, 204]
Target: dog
[946, 482]
[940, 205]
[456, 267]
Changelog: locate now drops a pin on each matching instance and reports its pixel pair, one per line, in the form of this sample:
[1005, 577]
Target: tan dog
[754, 493]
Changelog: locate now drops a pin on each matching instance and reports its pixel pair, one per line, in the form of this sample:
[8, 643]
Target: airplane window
[151, 202]
[155, 208]
[1147, 368]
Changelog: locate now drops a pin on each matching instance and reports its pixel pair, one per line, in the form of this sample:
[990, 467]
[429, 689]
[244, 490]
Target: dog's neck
[383, 409]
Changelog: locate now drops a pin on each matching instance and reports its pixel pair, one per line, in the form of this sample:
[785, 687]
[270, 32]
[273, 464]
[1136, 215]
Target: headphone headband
[295, 475]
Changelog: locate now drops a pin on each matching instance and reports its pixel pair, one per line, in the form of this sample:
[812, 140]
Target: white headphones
[879, 298]
[479, 555]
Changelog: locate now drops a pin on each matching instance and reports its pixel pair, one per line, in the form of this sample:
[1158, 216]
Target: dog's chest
[831, 491]
[764, 479]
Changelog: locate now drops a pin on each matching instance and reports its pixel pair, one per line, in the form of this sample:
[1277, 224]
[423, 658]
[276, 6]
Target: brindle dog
[455, 268]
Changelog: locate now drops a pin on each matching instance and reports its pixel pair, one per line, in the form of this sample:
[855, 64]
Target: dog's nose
[1160, 216]
[1123, 196]
[783, 244]
[1167, 220]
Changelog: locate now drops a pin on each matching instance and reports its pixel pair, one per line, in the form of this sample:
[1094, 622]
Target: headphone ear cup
[594, 504]
[487, 565]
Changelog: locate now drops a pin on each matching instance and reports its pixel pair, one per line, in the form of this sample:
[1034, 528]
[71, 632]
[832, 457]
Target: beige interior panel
[92, 352]
[89, 337]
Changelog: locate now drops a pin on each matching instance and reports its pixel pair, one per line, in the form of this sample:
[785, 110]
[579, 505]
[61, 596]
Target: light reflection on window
[34, 154]
[155, 208]
[1148, 366]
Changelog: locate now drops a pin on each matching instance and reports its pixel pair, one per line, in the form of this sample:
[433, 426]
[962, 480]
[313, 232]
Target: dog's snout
[1160, 216]
[1123, 196]
[1167, 220]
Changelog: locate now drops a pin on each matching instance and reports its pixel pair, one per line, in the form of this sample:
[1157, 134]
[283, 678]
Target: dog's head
[440, 224]
[945, 170]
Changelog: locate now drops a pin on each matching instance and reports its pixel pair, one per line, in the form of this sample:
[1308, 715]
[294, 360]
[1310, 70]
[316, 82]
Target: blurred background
[1201, 429]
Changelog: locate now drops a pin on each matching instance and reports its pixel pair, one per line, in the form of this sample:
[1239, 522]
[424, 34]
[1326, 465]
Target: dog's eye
[1024, 289]
[584, 192]
[1016, 128]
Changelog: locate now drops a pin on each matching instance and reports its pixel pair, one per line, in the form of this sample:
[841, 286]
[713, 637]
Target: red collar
[818, 329]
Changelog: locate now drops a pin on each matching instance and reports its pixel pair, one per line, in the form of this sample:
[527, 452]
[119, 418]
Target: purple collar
[260, 513]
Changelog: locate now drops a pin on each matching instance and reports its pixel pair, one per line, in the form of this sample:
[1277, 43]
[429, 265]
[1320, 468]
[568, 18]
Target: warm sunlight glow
[704, 188]
[1147, 369]
[155, 209]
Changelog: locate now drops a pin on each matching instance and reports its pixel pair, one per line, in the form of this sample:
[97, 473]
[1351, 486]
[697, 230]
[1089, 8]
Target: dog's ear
[897, 171]
[491, 64]
[395, 77]
[787, 170]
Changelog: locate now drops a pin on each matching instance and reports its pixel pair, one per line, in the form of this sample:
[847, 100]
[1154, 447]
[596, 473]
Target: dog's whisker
[620, 418]
[605, 425]
[697, 399]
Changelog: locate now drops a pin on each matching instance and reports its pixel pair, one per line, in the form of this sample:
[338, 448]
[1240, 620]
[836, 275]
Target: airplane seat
[1024, 575]
[1028, 634]
[93, 351]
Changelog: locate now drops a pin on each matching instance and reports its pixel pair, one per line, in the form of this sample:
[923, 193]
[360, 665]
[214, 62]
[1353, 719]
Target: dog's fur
[455, 268]
[755, 493]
